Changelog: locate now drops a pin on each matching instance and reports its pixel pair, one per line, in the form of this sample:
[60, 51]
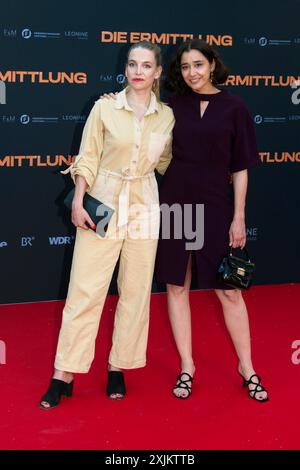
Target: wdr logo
[61, 240]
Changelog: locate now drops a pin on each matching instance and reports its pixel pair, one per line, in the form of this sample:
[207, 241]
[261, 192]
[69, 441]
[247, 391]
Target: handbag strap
[244, 250]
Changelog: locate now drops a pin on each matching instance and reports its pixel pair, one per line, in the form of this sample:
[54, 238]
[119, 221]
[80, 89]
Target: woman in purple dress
[213, 143]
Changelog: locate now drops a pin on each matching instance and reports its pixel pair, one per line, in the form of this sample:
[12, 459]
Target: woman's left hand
[237, 233]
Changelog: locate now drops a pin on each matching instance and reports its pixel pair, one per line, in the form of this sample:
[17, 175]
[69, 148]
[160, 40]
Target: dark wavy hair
[174, 81]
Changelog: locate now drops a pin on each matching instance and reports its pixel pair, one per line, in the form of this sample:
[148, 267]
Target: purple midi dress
[206, 151]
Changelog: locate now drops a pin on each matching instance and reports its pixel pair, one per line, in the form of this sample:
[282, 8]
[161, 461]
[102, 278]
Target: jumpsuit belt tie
[123, 202]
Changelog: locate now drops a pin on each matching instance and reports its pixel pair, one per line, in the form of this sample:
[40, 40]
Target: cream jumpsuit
[117, 158]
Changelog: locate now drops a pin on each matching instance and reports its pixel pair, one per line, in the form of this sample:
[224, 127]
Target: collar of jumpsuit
[122, 103]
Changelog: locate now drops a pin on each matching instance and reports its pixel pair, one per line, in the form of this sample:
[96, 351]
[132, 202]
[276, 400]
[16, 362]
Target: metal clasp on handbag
[241, 271]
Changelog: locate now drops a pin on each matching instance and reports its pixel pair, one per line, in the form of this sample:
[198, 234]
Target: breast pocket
[157, 144]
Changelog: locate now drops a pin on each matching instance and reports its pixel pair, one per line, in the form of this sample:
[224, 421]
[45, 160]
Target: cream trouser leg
[132, 315]
[93, 264]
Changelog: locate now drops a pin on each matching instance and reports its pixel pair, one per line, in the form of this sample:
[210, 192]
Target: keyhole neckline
[207, 96]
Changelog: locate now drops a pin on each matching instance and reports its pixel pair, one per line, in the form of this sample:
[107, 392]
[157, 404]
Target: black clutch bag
[99, 213]
[236, 272]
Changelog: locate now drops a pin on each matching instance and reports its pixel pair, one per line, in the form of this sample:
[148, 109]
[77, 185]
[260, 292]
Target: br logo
[258, 119]
[26, 33]
[24, 119]
[263, 41]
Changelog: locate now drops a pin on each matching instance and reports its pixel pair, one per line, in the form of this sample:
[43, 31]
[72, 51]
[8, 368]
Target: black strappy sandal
[56, 390]
[115, 385]
[258, 388]
[183, 384]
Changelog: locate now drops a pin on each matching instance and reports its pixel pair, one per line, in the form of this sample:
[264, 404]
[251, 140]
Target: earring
[211, 76]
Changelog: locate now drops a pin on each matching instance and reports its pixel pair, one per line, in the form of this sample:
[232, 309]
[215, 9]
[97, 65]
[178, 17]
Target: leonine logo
[252, 233]
[162, 38]
[24, 76]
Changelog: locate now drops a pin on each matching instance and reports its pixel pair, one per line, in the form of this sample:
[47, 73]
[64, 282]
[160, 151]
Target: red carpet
[219, 415]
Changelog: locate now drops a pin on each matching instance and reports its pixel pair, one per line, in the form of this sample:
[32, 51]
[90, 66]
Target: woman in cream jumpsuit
[123, 142]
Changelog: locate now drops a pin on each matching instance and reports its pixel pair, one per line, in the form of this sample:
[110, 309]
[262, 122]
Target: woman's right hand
[109, 96]
[80, 217]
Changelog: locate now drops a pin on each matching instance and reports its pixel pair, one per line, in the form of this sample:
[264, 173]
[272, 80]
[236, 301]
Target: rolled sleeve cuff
[85, 173]
[80, 170]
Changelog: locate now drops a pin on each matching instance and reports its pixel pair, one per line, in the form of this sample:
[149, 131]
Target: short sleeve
[165, 158]
[87, 161]
[166, 155]
[244, 149]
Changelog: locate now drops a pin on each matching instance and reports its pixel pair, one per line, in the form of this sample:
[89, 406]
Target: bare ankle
[188, 366]
[113, 368]
[246, 369]
[63, 375]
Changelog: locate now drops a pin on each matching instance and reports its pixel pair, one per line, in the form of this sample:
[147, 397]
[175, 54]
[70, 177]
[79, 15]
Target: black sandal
[183, 384]
[56, 389]
[257, 389]
[115, 385]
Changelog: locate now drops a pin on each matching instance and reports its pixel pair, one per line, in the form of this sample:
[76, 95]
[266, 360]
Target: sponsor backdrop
[58, 57]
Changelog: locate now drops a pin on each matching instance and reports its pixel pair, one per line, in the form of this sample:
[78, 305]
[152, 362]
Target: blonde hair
[157, 54]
